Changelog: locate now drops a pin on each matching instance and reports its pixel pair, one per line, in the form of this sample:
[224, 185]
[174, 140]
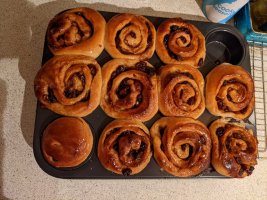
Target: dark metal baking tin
[224, 44]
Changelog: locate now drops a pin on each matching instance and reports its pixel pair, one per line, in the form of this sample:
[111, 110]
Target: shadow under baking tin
[221, 43]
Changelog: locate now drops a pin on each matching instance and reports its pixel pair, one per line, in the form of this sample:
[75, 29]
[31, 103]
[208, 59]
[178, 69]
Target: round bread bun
[67, 142]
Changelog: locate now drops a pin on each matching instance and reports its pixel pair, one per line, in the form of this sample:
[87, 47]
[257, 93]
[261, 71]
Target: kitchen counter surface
[23, 25]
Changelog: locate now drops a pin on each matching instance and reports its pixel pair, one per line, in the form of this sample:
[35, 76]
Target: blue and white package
[220, 11]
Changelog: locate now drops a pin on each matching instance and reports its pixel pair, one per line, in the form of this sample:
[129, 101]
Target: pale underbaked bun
[230, 91]
[234, 148]
[181, 145]
[179, 42]
[69, 85]
[130, 36]
[129, 89]
[124, 147]
[67, 142]
[181, 91]
[77, 31]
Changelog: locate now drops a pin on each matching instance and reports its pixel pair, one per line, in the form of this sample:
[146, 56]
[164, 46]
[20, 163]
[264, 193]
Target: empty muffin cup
[223, 46]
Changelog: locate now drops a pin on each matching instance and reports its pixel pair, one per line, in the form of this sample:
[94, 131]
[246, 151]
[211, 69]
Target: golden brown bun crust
[78, 31]
[181, 91]
[129, 89]
[124, 147]
[230, 91]
[234, 148]
[179, 42]
[181, 145]
[130, 36]
[67, 142]
[69, 85]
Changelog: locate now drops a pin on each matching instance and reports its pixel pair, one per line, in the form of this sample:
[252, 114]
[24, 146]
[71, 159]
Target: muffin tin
[224, 44]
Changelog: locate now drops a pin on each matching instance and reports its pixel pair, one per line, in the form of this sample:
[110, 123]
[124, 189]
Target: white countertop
[23, 24]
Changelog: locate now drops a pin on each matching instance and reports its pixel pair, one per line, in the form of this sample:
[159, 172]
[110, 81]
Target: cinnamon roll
[129, 89]
[181, 145]
[67, 142]
[234, 148]
[69, 85]
[181, 89]
[77, 31]
[179, 42]
[130, 36]
[230, 91]
[124, 147]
